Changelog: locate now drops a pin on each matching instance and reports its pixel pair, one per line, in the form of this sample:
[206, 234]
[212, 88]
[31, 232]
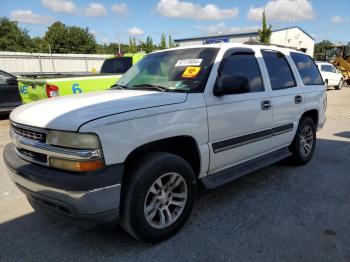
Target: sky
[113, 20]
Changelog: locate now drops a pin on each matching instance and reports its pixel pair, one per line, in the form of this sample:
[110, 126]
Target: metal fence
[17, 62]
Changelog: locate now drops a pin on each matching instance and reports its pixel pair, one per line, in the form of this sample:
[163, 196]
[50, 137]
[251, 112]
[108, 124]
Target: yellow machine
[339, 56]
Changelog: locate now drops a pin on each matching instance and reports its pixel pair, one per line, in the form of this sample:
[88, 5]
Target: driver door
[239, 124]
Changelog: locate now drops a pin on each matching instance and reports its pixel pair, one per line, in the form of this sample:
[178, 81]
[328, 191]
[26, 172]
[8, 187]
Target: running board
[232, 173]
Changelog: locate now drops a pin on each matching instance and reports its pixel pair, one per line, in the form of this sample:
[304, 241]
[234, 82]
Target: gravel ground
[280, 213]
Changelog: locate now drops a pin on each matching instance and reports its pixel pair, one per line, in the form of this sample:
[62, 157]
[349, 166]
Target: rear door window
[280, 73]
[307, 69]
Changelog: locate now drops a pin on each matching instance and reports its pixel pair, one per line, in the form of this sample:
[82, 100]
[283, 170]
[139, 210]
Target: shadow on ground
[279, 213]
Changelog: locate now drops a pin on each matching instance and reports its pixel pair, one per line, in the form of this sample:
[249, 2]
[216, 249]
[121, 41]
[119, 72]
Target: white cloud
[283, 10]
[221, 29]
[181, 9]
[339, 19]
[105, 40]
[95, 9]
[28, 17]
[135, 31]
[60, 6]
[120, 9]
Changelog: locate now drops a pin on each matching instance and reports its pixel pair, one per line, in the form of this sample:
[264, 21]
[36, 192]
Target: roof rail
[264, 44]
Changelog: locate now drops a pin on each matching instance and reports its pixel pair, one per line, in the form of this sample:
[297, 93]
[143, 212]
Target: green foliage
[112, 48]
[148, 46]
[61, 38]
[132, 45]
[70, 39]
[171, 43]
[162, 44]
[265, 32]
[13, 38]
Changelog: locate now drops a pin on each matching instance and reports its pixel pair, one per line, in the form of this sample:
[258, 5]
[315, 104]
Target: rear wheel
[158, 197]
[303, 145]
[340, 85]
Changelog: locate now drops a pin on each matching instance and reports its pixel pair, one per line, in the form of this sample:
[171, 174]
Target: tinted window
[4, 77]
[118, 65]
[324, 68]
[307, 69]
[332, 69]
[279, 70]
[244, 65]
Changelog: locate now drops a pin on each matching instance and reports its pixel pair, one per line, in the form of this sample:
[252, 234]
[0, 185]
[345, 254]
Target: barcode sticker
[189, 62]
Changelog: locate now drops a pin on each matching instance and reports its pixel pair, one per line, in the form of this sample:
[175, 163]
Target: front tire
[303, 145]
[158, 197]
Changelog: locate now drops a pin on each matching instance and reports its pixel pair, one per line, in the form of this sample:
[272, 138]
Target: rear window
[280, 74]
[307, 69]
[118, 65]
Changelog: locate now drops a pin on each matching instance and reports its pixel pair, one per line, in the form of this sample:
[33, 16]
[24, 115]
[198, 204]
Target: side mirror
[11, 81]
[227, 85]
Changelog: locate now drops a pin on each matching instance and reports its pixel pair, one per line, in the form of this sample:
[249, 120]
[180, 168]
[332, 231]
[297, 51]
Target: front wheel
[303, 145]
[158, 197]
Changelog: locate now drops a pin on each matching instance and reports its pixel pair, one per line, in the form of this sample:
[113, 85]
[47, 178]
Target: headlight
[76, 143]
[73, 140]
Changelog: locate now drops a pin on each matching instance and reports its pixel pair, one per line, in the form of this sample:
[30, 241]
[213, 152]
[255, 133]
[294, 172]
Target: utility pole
[118, 39]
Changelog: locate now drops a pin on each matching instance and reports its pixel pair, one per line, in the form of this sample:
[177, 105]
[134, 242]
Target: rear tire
[340, 85]
[157, 197]
[304, 142]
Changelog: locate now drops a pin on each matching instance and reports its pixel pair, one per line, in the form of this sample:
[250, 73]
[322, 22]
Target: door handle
[266, 105]
[298, 99]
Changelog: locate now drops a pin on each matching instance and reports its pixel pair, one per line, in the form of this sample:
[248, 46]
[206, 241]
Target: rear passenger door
[240, 123]
[315, 95]
[287, 97]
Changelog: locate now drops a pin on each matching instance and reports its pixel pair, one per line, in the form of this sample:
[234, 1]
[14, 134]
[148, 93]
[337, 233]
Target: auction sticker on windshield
[189, 62]
[191, 72]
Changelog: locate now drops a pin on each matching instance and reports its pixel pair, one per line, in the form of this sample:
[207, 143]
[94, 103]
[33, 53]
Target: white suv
[330, 75]
[180, 117]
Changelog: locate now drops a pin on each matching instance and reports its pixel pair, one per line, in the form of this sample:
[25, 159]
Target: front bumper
[92, 196]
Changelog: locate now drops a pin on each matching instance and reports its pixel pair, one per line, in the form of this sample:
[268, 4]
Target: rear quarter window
[307, 69]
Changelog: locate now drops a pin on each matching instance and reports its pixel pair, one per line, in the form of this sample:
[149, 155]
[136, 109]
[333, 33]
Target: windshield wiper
[150, 86]
[117, 86]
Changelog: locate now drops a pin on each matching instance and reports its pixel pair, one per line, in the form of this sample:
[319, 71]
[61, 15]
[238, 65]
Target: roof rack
[264, 44]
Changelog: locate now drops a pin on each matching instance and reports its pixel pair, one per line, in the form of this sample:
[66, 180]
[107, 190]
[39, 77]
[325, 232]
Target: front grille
[31, 134]
[33, 156]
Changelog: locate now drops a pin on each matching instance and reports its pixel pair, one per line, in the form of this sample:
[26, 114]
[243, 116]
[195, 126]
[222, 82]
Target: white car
[180, 117]
[330, 75]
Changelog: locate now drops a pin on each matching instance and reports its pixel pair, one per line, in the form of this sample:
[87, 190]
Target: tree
[40, 45]
[147, 46]
[132, 45]
[171, 43]
[70, 39]
[81, 41]
[13, 38]
[162, 44]
[56, 37]
[265, 32]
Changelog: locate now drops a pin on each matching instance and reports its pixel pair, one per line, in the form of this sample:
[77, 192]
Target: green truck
[38, 87]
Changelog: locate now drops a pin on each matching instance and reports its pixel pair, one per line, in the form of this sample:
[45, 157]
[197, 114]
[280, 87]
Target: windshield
[118, 65]
[174, 70]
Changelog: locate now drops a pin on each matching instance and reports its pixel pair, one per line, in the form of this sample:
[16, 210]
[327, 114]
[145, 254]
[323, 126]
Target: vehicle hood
[70, 112]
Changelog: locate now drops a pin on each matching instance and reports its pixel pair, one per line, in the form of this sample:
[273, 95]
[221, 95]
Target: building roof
[247, 34]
